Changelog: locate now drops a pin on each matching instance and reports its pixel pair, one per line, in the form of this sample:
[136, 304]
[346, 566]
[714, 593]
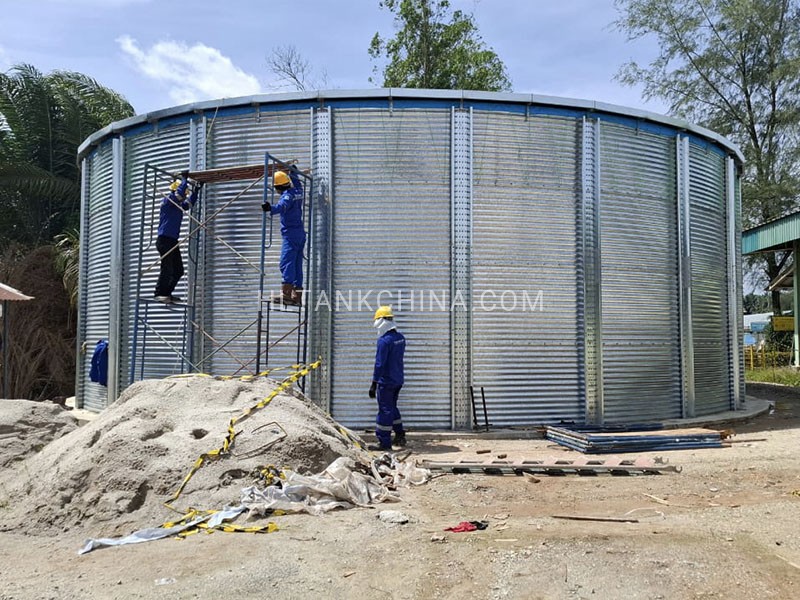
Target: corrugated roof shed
[772, 235]
[9, 293]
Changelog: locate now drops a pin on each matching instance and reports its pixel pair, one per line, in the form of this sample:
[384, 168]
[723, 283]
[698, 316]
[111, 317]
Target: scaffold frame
[190, 357]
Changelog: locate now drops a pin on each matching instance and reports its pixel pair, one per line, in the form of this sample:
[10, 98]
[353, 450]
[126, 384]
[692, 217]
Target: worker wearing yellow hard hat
[387, 380]
[173, 205]
[290, 208]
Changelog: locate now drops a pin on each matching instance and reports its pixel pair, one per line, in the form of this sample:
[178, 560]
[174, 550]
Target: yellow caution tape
[227, 443]
[349, 437]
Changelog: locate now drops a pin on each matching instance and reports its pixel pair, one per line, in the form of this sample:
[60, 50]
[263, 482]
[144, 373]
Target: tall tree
[732, 66]
[434, 49]
[294, 71]
[43, 120]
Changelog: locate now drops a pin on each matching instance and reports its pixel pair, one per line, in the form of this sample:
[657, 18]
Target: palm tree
[67, 262]
[43, 120]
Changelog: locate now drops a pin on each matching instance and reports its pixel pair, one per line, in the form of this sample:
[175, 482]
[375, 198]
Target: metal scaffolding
[188, 352]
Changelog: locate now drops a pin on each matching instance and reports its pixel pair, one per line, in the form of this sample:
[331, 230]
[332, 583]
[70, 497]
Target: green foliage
[732, 66]
[68, 263]
[428, 51]
[41, 340]
[784, 375]
[755, 304]
[43, 120]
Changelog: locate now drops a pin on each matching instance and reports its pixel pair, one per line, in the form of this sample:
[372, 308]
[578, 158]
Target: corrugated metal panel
[232, 282]
[710, 325]
[780, 233]
[391, 218]
[640, 320]
[526, 202]
[96, 272]
[167, 149]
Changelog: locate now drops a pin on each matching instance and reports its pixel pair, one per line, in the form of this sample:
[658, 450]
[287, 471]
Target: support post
[591, 273]
[5, 350]
[685, 276]
[115, 266]
[734, 287]
[460, 266]
[795, 304]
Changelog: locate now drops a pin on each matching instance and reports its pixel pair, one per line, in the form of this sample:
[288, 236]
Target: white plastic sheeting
[340, 485]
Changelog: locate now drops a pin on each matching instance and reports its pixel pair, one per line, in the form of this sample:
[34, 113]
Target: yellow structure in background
[782, 323]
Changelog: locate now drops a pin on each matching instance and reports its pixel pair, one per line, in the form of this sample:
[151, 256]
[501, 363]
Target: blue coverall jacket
[172, 208]
[389, 359]
[290, 208]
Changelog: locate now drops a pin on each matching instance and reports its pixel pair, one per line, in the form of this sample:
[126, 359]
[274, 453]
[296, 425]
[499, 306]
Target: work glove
[200, 185]
[185, 174]
[373, 389]
[266, 207]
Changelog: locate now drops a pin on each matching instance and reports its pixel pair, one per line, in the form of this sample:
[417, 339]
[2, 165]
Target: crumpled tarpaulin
[338, 486]
[157, 533]
[393, 472]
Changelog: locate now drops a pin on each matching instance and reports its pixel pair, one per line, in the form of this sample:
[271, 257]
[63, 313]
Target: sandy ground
[727, 526]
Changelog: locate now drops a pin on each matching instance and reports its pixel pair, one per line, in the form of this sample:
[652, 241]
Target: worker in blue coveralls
[387, 379]
[169, 230]
[290, 208]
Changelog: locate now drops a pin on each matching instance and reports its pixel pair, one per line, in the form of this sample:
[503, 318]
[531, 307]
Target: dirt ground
[726, 526]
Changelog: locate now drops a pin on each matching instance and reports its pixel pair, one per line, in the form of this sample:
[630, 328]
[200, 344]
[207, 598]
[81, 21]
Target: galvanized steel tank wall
[615, 233]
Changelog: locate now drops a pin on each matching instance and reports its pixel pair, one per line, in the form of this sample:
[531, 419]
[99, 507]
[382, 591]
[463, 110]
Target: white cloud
[193, 73]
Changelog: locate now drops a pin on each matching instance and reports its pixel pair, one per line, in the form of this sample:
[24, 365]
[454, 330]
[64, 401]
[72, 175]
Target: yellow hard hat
[174, 185]
[280, 178]
[383, 312]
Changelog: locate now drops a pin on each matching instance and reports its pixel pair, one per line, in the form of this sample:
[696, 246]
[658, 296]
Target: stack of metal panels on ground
[604, 441]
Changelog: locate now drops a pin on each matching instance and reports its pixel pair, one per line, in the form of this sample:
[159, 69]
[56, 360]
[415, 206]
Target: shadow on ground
[785, 413]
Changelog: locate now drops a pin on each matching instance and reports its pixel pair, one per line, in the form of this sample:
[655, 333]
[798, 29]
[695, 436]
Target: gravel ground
[726, 526]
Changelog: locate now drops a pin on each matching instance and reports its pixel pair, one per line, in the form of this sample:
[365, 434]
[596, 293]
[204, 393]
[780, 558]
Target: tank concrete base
[754, 407]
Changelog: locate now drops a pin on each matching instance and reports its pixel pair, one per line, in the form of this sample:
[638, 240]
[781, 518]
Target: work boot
[378, 448]
[163, 299]
[286, 293]
[176, 299]
[297, 296]
[399, 440]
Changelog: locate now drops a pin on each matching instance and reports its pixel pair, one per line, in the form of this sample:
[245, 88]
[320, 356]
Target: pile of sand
[115, 473]
[26, 427]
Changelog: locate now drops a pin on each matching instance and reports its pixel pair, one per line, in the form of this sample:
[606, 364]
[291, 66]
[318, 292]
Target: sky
[161, 53]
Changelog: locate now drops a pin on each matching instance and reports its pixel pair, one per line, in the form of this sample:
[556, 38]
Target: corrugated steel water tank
[575, 260]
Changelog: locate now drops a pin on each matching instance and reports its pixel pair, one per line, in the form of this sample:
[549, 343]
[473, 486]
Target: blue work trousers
[388, 418]
[291, 264]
